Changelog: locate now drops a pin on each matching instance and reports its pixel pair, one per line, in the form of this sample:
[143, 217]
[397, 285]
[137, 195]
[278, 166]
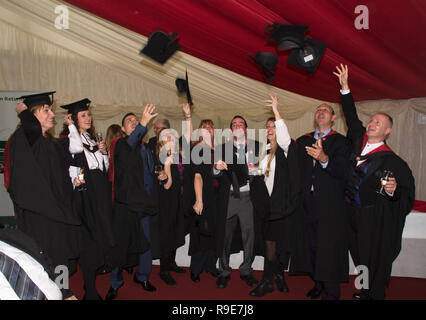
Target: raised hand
[342, 73]
[68, 120]
[186, 110]
[148, 114]
[273, 102]
[20, 107]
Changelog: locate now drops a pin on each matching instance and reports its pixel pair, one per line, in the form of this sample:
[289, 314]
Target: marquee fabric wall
[99, 60]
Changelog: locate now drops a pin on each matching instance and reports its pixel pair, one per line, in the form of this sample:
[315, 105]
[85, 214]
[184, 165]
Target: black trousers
[203, 260]
[329, 290]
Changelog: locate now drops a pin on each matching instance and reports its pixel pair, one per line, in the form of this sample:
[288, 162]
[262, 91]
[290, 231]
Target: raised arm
[355, 127]
[141, 129]
[282, 134]
[29, 123]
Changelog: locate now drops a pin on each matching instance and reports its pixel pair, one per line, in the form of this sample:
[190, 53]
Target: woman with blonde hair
[276, 196]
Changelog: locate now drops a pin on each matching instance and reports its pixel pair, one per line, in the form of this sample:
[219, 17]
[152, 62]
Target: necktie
[19, 281]
[320, 135]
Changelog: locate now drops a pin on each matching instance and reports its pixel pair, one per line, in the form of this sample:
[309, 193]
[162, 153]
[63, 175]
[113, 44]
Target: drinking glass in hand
[384, 178]
[158, 168]
[99, 137]
[82, 186]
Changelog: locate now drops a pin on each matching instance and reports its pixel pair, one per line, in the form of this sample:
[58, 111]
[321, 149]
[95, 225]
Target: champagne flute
[82, 186]
[384, 180]
[99, 137]
[158, 168]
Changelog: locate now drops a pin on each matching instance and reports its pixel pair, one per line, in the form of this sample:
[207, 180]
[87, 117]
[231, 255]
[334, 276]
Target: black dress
[171, 219]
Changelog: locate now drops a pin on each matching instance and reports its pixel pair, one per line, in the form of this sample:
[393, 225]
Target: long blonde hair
[274, 144]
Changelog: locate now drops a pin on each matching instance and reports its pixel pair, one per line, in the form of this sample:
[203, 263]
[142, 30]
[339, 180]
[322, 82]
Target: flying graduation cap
[308, 56]
[286, 36]
[160, 46]
[38, 99]
[306, 53]
[267, 61]
[182, 86]
[76, 107]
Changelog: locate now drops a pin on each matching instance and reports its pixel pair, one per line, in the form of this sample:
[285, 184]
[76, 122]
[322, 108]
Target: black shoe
[281, 284]
[250, 280]
[222, 282]
[177, 269]
[314, 293]
[167, 278]
[95, 298]
[263, 288]
[146, 285]
[195, 277]
[111, 294]
[215, 273]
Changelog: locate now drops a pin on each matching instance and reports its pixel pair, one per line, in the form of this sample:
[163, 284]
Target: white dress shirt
[33, 269]
[283, 140]
[95, 160]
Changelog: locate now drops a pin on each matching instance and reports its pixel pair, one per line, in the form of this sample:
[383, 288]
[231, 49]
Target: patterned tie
[320, 135]
[19, 281]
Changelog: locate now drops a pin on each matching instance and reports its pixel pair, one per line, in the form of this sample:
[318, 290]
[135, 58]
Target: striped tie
[19, 281]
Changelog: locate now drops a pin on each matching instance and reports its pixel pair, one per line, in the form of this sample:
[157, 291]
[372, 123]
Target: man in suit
[235, 205]
[377, 206]
[322, 162]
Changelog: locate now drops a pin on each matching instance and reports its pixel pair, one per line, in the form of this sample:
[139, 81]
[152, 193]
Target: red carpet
[399, 289]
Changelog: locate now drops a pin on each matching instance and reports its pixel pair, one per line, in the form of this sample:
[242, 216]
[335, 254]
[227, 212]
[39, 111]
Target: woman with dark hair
[114, 131]
[276, 195]
[40, 187]
[92, 193]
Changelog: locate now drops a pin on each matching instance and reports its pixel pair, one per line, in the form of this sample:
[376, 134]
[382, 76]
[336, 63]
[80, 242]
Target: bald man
[323, 157]
[376, 219]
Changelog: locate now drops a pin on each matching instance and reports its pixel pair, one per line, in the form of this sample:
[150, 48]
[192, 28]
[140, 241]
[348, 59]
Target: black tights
[271, 264]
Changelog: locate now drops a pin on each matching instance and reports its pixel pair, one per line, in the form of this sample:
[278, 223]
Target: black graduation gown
[95, 209]
[332, 263]
[203, 227]
[225, 182]
[41, 191]
[171, 219]
[131, 204]
[377, 226]
[281, 211]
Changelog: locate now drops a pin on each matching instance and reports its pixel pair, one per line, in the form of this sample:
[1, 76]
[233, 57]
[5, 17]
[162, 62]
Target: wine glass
[158, 168]
[82, 186]
[99, 137]
[384, 178]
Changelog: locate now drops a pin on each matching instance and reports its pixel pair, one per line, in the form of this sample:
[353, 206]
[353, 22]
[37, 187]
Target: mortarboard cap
[76, 107]
[182, 86]
[38, 99]
[160, 46]
[267, 62]
[287, 36]
[309, 56]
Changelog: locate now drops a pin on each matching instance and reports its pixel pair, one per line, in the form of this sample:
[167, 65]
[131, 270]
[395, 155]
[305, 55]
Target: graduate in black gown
[276, 194]
[167, 189]
[323, 166]
[40, 187]
[92, 194]
[202, 245]
[376, 219]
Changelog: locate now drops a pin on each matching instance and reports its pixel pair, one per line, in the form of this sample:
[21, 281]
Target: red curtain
[386, 61]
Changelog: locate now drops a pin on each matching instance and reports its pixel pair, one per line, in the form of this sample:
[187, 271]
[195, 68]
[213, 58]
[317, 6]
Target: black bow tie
[90, 148]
